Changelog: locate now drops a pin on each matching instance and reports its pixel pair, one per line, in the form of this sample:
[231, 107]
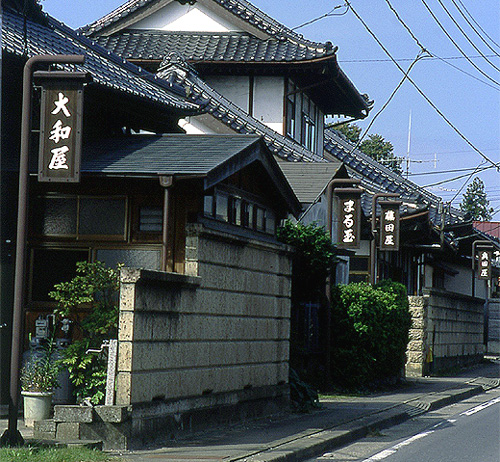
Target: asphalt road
[468, 431]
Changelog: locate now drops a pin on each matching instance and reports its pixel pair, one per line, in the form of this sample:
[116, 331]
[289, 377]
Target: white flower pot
[36, 406]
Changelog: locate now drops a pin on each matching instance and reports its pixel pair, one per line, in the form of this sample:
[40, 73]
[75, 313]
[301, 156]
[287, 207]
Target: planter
[37, 406]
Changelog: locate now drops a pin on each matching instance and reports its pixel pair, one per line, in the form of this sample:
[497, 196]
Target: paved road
[464, 432]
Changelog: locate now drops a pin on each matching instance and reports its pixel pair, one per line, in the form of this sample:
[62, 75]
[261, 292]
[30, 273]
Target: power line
[473, 28]
[496, 165]
[405, 76]
[326, 15]
[477, 24]
[456, 44]
[433, 56]
[444, 171]
[466, 36]
[449, 180]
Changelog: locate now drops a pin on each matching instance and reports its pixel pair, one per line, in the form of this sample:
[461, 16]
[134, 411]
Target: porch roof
[309, 180]
[211, 157]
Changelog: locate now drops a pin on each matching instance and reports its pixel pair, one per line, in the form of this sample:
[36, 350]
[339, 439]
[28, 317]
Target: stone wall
[447, 331]
[224, 326]
[493, 346]
[207, 347]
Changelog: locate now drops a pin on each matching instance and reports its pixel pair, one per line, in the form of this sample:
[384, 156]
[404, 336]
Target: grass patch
[53, 454]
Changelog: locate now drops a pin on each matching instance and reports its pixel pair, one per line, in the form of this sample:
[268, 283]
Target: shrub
[313, 259]
[370, 328]
[96, 287]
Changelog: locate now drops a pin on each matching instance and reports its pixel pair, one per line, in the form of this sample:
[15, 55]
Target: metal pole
[12, 436]
[373, 243]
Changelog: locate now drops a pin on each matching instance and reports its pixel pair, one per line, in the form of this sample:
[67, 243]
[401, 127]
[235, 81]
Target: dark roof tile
[236, 47]
[105, 67]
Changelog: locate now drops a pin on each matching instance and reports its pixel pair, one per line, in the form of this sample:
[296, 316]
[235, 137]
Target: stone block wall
[493, 346]
[447, 331]
[221, 327]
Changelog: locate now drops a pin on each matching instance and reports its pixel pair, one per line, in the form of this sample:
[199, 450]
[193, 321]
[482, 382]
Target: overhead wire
[429, 101]
[419, 56]
[457, 46]
[466, 36]
[326, 15]
[473, 28]
[477, 24]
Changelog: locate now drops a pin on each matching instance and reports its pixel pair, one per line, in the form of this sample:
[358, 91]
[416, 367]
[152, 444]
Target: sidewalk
[339, 421]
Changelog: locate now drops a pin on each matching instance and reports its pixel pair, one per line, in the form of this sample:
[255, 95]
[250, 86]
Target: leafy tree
[475, 202]
[382, 151]
[351, 131]
[374, 146]
[95, 287]
[314, 256]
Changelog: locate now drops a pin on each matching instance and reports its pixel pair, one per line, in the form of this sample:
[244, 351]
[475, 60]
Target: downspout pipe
[12, 436]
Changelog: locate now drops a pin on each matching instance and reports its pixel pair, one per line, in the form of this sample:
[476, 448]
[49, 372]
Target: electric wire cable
[473, 28]
[326, 15]
[429, 101]
[467, 37]
[473, 64]
[433, 55]
[477, 24]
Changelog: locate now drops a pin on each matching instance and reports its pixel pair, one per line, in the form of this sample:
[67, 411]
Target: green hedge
[370, 328]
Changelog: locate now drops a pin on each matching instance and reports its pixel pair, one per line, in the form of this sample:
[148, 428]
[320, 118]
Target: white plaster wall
[177, 17]
[269, 93]
[462, 282]
[235, 88]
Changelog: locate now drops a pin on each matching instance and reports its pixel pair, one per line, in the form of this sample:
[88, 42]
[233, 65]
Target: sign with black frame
[484, 257]
[60, 126]
[389, 225]
[349, 217]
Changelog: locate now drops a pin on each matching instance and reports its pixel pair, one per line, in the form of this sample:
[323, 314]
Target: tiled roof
[308, 180]
[222, 109]
[163, 154]
[223, 47]
[241, 9]
[214, 157]
[107, 69]
[377, 178]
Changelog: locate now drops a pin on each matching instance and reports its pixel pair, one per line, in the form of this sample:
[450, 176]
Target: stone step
[90, 444]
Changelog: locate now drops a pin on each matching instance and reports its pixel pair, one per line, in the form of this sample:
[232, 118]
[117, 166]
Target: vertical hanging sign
[349, 217]
[389, 225]
[484, 259]
[61, 126]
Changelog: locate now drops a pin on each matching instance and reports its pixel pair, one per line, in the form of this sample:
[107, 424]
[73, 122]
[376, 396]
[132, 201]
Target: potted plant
[38, 379]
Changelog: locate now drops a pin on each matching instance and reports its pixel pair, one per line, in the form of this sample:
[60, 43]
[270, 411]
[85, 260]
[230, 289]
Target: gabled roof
[179, 72]
[212, 157]
[107, 69]
[240, 9]
[212, 53]
[209, 47]
[309, 180]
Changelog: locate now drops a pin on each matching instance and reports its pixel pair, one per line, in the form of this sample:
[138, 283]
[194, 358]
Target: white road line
[481, 407]
[397, 447]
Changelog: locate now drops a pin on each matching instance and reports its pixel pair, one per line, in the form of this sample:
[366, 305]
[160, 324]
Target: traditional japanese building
[142, 184]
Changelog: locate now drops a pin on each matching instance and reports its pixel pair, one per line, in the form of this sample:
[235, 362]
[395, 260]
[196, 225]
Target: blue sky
[467, 97]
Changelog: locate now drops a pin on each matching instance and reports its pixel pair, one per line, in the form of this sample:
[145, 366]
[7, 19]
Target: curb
[309, 446]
